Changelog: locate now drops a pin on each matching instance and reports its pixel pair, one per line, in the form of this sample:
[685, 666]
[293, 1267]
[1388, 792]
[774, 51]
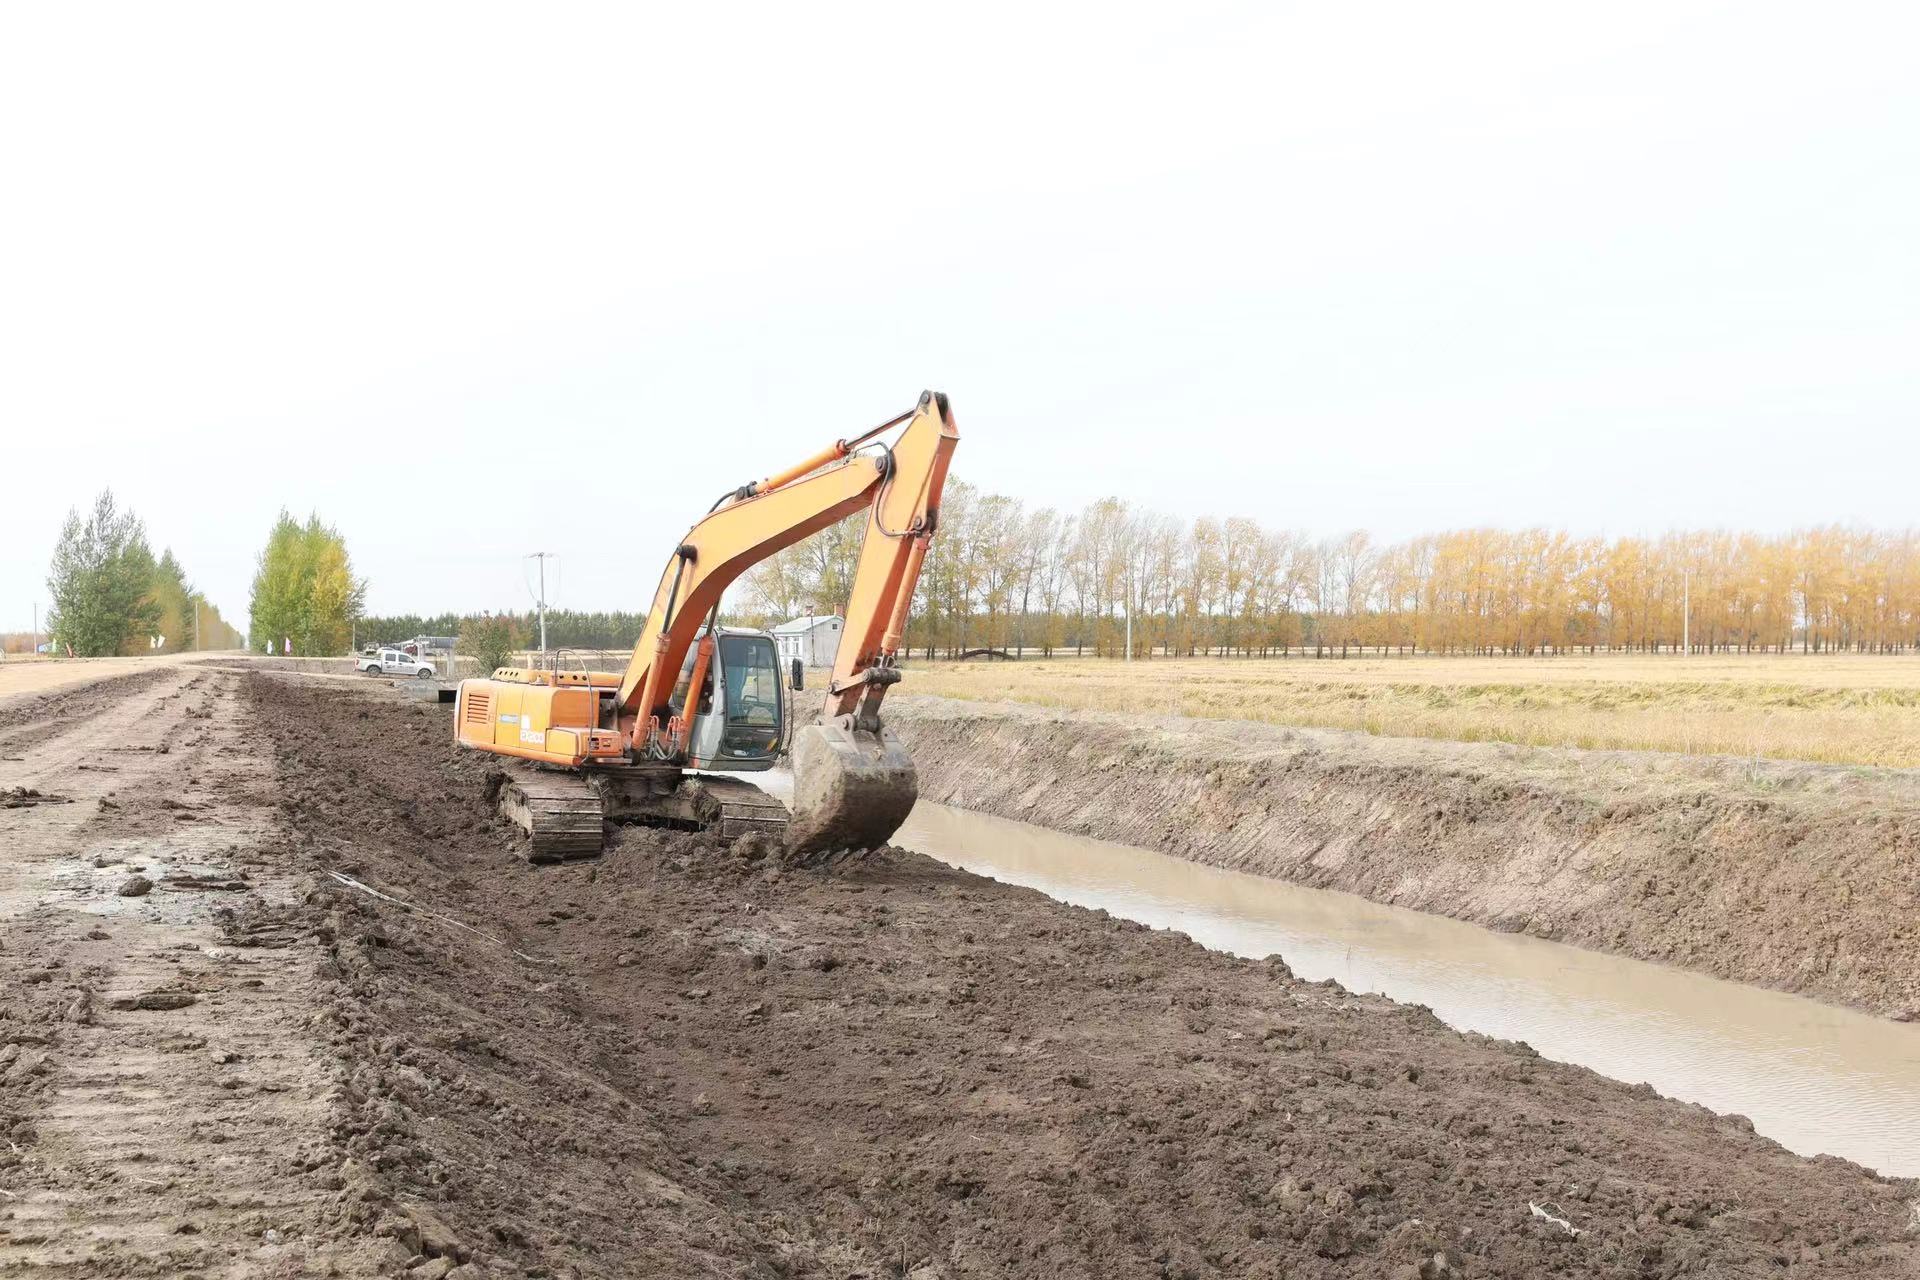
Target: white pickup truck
[394, 662]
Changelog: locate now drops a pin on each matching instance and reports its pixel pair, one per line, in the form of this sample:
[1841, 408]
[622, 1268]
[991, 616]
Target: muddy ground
[1802, 877]
[406, 1046]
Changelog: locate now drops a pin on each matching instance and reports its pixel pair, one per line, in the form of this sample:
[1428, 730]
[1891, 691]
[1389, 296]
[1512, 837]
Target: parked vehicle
[395, 662]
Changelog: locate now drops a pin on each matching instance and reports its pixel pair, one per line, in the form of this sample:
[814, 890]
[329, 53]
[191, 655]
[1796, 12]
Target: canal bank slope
[1796, 876]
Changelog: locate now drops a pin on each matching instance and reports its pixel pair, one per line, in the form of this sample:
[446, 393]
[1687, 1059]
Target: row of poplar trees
[1002, 575]
[111, 595]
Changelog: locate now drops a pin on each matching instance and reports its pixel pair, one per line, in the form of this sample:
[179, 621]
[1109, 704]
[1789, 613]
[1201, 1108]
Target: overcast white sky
[472, 281]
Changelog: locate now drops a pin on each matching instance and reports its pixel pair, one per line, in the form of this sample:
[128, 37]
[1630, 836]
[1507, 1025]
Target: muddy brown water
[1815, 1078]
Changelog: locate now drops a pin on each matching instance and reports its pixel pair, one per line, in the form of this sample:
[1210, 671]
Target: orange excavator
[700, 703]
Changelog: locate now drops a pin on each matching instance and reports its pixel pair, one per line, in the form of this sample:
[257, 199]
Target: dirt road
[682, 1061]
[166, 1102]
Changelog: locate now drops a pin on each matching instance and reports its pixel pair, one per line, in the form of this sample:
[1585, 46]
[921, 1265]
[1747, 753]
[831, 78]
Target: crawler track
[561, 814]
[566, 815]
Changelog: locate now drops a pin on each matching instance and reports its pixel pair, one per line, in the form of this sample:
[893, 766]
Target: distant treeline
[111, 595]
[1002, 575]
[566, 629]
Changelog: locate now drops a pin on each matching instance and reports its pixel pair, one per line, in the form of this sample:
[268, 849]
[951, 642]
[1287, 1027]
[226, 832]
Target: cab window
[753, 681]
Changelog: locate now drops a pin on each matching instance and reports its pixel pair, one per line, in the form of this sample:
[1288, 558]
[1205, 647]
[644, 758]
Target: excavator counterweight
[588, 747]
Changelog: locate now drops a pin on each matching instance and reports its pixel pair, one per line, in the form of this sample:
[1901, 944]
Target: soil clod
[27, 798]
[156, 1000]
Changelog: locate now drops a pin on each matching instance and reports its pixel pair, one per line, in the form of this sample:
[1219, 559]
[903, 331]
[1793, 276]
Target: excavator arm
[853, 784]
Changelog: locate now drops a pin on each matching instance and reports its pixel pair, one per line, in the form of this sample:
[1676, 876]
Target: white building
[814, 639]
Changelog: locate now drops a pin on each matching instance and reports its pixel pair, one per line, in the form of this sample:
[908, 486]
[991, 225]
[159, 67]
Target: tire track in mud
[684, 1060]
[164, 1108]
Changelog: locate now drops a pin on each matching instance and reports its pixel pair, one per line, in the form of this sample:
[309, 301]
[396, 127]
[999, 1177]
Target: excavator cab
[742, 715]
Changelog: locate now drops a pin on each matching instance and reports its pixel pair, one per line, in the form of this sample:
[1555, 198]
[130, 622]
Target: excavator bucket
[852, 788]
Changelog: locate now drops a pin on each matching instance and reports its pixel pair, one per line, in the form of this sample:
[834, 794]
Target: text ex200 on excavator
[586, 747]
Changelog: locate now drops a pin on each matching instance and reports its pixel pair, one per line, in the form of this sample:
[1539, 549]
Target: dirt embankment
[35, 718]
[1796, 876]
[683, 1060]
[342, 666]
[449, 668]
[24, 676]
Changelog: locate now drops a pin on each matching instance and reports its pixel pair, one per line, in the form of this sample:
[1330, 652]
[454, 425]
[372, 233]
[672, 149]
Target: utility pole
[196, 624]
[541, 600]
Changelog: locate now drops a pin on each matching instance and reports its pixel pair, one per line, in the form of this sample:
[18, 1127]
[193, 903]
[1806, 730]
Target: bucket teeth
[852, 788]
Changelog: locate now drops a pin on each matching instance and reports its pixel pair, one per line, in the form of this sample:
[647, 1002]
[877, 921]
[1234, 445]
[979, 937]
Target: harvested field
[1796, 876]
[1838, 709]
[685, 1061]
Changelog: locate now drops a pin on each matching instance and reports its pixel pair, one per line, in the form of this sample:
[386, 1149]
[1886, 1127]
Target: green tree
[491, 639]
[176, 601]
[304, 589]
[101, 581]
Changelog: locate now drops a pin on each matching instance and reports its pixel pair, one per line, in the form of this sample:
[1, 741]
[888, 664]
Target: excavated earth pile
[689, 1060]
[1798, 876]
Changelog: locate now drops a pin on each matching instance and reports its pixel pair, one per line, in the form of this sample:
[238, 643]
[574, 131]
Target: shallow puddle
[80, 885]
[1812, 1077]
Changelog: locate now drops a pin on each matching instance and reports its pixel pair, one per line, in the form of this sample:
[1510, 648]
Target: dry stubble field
[1846, 709]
